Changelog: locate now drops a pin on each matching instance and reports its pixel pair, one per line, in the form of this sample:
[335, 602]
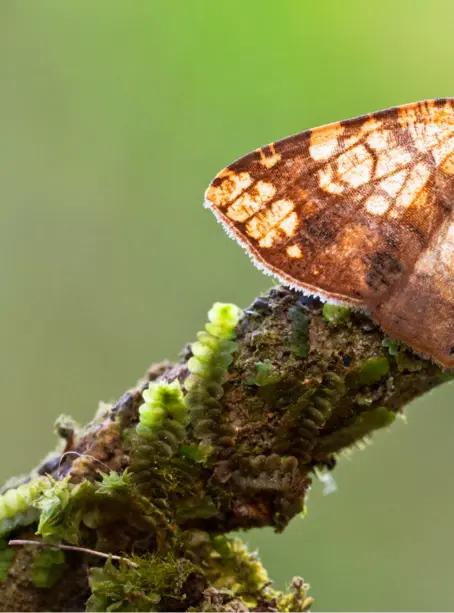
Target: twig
[93, 552]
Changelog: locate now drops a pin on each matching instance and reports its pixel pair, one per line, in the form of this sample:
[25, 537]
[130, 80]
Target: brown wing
[361, 212]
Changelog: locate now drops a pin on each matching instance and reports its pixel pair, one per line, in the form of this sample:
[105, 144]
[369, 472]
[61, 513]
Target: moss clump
[212, 355]
[369, 372]
[405, 359]
[152, 585]
[362, 427]
[266, 375]
[16, 505]
[238, 580]
[160, 432]
[62, 507]
[299, 330]
[305, 419]
[297, 600]
[6, 559]
[163, 417]
[235, 568]
[48, 566]
[115, 484]
[336, 315]
[392, 345]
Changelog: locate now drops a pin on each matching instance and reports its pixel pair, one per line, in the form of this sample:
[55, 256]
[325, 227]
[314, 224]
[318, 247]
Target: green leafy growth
[212, 356]
[336, 315]
[162, 418]
[299, 331]
[159, 435]
[62, 508]
[408, 362]
[266, 374]
[144, 588]
[197, 453]
[297, 600]
[16, 504]
[115, 484]
[48, 566]
[6, 559]
[299, 429]
[392, 345]
[405, 359]
[362, 427]
[369, 372]
[235, 568]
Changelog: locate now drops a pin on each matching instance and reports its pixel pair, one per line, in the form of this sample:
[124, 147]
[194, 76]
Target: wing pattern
[360, 212]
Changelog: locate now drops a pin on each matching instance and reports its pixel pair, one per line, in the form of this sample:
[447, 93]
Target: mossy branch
[228, 438]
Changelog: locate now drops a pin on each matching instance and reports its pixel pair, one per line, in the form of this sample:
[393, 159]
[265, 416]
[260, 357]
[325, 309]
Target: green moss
[115, 484]
[160, 432]
[299, 331]
[369, 372]
[156, 581]
[392, 345]
[16, 504]
[235, 568]
[408, 362]
[266, 375]
[362, 427]
[163, 415]
[212, 355]
[336, 315]
[300, 427]
[62, 508]
[48, 566]
[297, 600]
[6, 559]
[197, 453]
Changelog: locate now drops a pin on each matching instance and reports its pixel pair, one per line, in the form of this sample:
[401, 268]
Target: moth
[360, 213]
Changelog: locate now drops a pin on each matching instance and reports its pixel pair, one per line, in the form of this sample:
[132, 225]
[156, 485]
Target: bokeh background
[114, 116]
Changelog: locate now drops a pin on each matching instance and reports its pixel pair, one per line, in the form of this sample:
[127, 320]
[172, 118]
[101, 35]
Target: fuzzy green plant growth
[336, 315]
[6, 559]
[152, 583]
[211, 358]
[354, 434]
[308, 417]
[48, 566]
[160, 432]
[62, 509]
[16, 504]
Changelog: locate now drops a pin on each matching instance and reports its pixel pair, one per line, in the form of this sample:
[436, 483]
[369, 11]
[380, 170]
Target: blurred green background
[114, 116]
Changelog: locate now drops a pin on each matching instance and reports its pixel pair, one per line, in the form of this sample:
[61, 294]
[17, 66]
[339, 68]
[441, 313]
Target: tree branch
[304, 383]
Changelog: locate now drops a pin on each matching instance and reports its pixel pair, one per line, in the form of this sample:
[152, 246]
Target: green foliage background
[114, 116]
